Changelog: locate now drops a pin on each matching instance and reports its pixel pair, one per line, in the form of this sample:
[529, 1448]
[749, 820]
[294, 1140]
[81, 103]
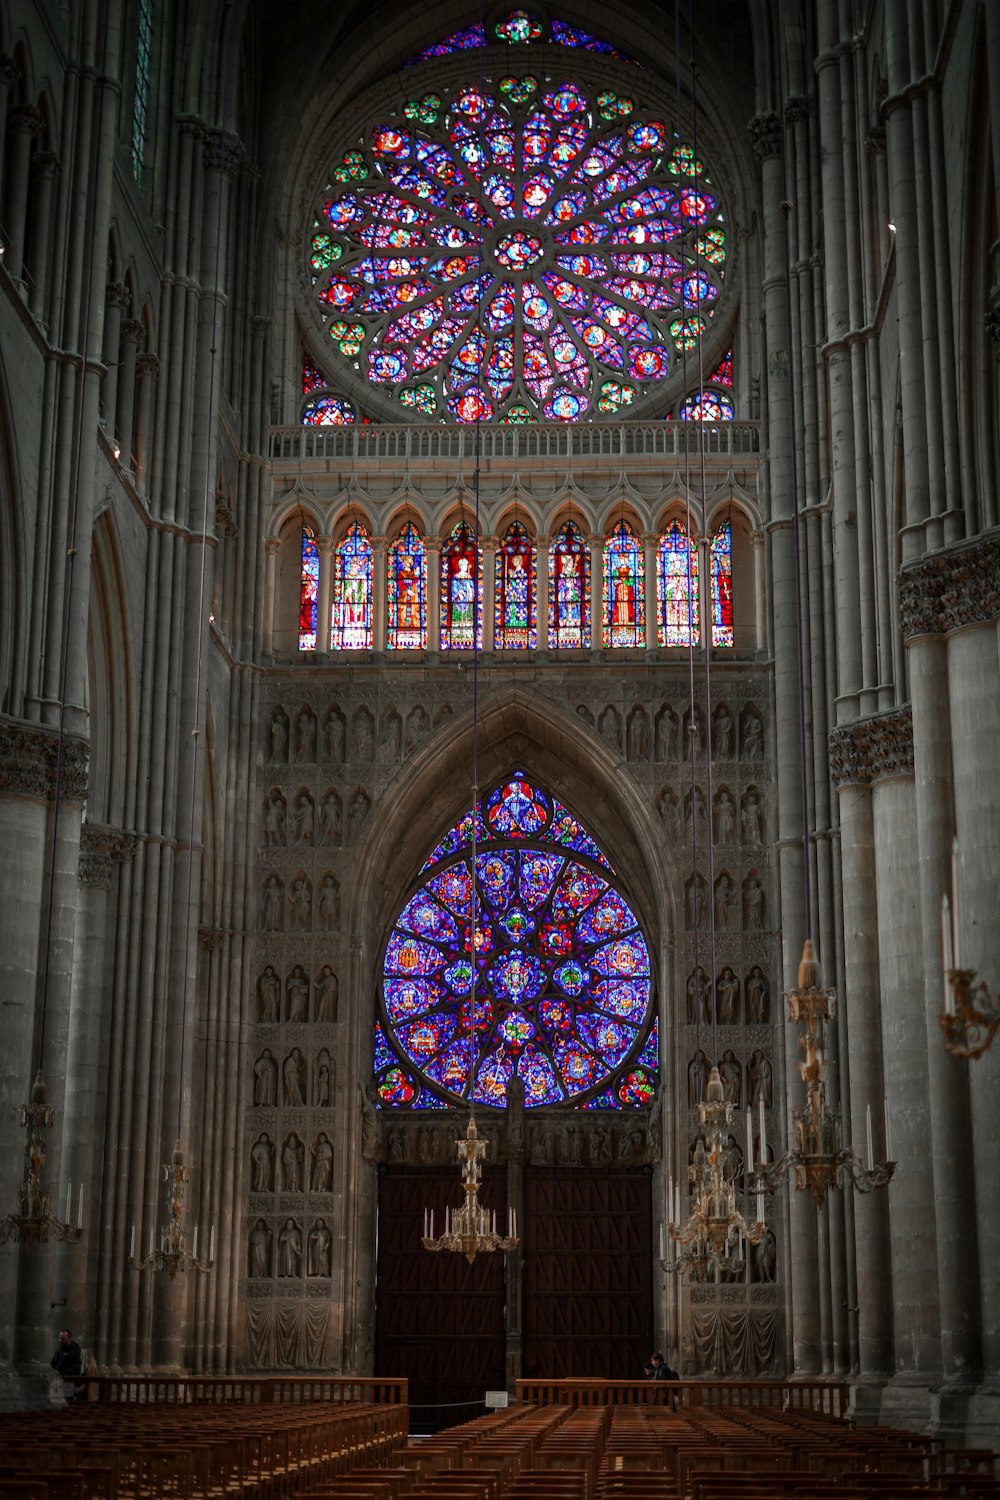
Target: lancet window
[514, 591]
[351, 593]
[624, 588]
[406, 592]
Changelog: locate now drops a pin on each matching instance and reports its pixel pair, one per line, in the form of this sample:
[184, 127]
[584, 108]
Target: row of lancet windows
[637, 576]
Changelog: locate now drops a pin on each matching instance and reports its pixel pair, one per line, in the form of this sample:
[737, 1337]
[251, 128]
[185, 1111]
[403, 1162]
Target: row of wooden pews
[145, 1451]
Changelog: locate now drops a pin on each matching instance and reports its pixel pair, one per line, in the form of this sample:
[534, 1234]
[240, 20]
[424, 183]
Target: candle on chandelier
[763, 1133]
[955, 908]
[948, 956]
[670, 1197]
[885, 1116]
[663, 1248]
[868, 1132]
[79, 1209]
[194, 1247]
[131, 1245]
[749, 1141]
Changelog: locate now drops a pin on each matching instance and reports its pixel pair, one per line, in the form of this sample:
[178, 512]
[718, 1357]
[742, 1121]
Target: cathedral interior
[498, 552]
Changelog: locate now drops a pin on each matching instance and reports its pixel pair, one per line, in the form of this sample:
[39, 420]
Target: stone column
[324, 594]
[649, 546]
[596, 545]
[757, 541]
[272, 546]
[45, 168]
[489, 551]
[147, 369]
[432, 547]
[379, 591]
[515, 1261]
[115, 303]
[23, 124]
[542, 590]
[133, 333]
[9, 74]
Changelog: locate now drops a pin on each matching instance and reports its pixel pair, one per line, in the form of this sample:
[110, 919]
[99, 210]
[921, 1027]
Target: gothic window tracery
[553, 986]
[569, 590]
[461, 591]
[624, 588]
[308, 590]
[351, 593]
[677, 600]
[515, 591]
[406, 592]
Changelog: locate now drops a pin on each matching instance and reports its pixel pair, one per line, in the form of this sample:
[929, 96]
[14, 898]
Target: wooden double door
[575, 1299]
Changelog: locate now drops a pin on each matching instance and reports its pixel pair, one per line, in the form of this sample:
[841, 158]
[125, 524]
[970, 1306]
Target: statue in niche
[754, 902]
[726, 902]
[265, 1079]
[697, 901]
[262, 1164]
[300, 900]
[698, 1070]
[321, 1175]
[732, 1167]
[610, 726]
[272, 898]
[666, 734]
[268, 990]
[757, 996]
[753, 818]
[274, 818]
[764, 1259]
[695, 803]
[362, 735]
[604, 1148]
[722, 733]
[293, 1071]
[426, 1153]
[752, 735]
[694, 732]
[333, 736]
[417, 725]
[442, 713]
[759, 1077]
[390, 736]
[331, 817]
[699, 992]
[279, 736]
[328, 908]
[259, 1250]
[302, 818]
[290, 1249]
[725, 818]
[638, 734]
[297, 992]
[327, 990]
[727, 990]
[318, 1250]
[292, 1164]
[397, 1146]
[731, 1075]
[583, 712]
[359, 810]
[666, 804]
[323, 1079]
[305, 736]
[369, 1123]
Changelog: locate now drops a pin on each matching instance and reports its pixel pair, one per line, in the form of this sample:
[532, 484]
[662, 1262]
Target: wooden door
[588, 1289]
[439, 1321]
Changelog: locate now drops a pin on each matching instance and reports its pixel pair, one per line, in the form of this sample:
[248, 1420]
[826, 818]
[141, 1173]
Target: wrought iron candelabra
[171, 1255]
[818, 1159]
[471, 1230]
[31, 1224]
[715, 1234]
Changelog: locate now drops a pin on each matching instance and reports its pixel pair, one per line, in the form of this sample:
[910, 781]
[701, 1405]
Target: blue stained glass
[427, 1099]
[537, 877]
[383, 1055]
[649, 1056]
[459, 837]
[556, 982]
[351, 593]
[308, 590]
[427, 919]
[569, 590]
[609, 918]
[638, 1088]
[721, 559]
[566, 830]
[461, 591]
[608, 1100]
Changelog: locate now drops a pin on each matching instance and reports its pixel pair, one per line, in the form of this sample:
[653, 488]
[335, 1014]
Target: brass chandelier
[31, 1223]
[171, 1254]
[471, 1230]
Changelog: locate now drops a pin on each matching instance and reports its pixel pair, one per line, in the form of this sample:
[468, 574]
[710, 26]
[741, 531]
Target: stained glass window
[308, 590]
[677, 588]
[722, 585]
[514, 592]
[461, 591]
[624, 591]
[519, 28]
[528, 962]
[524, 249]
[328, 411]
[351, 593]
[712, 404]
[140, 93]
[406, 592]
[312, 378]
[569, 590]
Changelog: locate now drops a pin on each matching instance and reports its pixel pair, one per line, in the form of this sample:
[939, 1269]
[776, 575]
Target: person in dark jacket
[68, 1362]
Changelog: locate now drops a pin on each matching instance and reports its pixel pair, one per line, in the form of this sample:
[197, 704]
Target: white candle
[947, 956]
[663, 1245]
[868, 1132]
[955, 906]
[749, 1141]
[79, 1209]
[670, 1198]
[194, 1247]
[677, 1208]
[211, 1245]
[888, 1143]
[760, 1208]
[131, 1244]
[69, 1202]
[763, 1134]
[150, 1239]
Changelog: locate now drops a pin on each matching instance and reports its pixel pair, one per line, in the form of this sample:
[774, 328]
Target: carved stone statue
[754, 902]
[417, 725]
[300, 900]
[322, 1164]
[318, 1250]
[268, 991]
[390, 736]
[303, 818]
[666, 734]
[369, 1124]
[726, 902]
[666, 804]
[725, 818]
[274, 818]
[753, 818]
[638, 734]
[333, 735]
[362, 735]
[759, 1077]
[722, 733]
[328, 909]
[757, 996]
[327, 991]
[360, 807]
[322, 1079]
[271, 903]
[262, 1164]
[583, 712]
[265, 1079]
[331, 817]
[610, 726]
[293, 1071]
[753, 735]
[279, 735]
[764, 1261]
[297, 991]
[305, 736]
[292, 1164]
[699, 992]
[727, 990]
[730, 1073]
[259, 1256]
[290, 1249]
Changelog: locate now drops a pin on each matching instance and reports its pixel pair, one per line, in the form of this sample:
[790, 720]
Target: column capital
[796, 108]
[28, 755]
[951, 590]
[764, 131]
[757, 540]
[24, 119]
[874, 749]
[9, 70]
[46, 165]
[147, 366]
[325, 545]
[118, 295]
[100, 850]
[133, 331]
[259, 325]
[875, 141]
[272, 546]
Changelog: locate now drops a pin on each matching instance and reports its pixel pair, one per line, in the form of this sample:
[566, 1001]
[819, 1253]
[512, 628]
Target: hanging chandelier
[171, 1254]
[818, 1159]
[471, 1230]
[971, 1015]
[31, 1224]
[716, 1233]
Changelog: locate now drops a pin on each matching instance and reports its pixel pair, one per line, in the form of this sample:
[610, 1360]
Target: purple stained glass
[624, 591]
[351, 594]
[468, 273]
[565, 829]
[721, 560]
[556, 983]
[569, 590]
[308, 590]
[406, 592]
[461, 591]
[514, 590]
[677, 588]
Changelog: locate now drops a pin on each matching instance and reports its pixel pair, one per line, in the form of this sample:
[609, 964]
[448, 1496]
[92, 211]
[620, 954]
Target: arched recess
[284, 624]
[109, 657]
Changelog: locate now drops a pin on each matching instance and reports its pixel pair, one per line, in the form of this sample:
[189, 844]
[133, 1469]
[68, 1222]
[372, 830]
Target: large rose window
[554, 985]
[518, 251]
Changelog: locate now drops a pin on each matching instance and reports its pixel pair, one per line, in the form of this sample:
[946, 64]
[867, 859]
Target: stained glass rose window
[519, 249]
[552, 984]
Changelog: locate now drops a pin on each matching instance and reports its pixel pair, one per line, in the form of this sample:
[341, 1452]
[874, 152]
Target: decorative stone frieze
[28, 755]
[100, 850]
[764, 131]
[951, 590]
[873, 749]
